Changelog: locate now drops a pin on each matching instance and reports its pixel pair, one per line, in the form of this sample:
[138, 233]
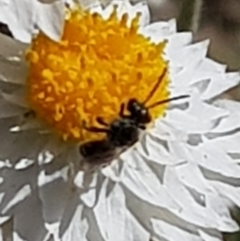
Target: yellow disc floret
[97, 65]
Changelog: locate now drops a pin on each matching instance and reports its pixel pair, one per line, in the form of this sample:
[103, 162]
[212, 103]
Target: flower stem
[190, 15]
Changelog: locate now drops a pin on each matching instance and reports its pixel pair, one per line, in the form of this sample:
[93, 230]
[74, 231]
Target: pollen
[98, 64]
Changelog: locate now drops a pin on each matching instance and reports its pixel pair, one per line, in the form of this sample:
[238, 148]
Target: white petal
[232, 106]
[9, 110]
[45, 179]
[91, 185]
[53, 200]
[4, 6]
[191, 210]
[10, 47]
[191, 176]
[50, 18]
[109, 9]
[17, 98]
[20, 196]
[157, 31]
[221, 84]
[114, 220]
[227, 143]
[23, 17]
[142, 7]
[53, 229]
[227, 124]
[164, 131]
[226, 223]
[20, 17]
[14, 181]
[231, 122]
[96, 7]
[172, 233]
[73, 225]
[135, 230]
[208, 112]
[138, 178]
[207, 237]
[30, 212]
[211, 65]
[89, 198]
[188, 56]
[111, 213]
[208, 156]
[212, 158]
[88, 4]
[231, 192]
[17, 146]
[24, 163]
[179, 40]
[53, 147]
[13, 71]
[79, 179]
[190, 124]
[5, 163]
[156, 152]
[47, 1]
[113, 171]
[26, 125]
[203, 76]
[173, 25]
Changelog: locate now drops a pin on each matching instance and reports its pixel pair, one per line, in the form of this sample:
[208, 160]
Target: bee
[124, 131]
[99, 153]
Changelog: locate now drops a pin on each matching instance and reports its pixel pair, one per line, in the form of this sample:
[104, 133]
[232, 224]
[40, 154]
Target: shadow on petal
[28, 220]
[15, 180]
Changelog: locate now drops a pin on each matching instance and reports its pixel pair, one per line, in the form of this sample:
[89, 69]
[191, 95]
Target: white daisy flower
[178, 182]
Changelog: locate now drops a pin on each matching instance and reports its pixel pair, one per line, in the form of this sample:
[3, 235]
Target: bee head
[138, 112]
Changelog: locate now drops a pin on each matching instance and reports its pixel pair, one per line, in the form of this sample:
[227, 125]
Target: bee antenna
[167, 100]
[155, 86]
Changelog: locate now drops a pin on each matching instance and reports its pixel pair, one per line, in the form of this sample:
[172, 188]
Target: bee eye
[143, 112]
[132, 105]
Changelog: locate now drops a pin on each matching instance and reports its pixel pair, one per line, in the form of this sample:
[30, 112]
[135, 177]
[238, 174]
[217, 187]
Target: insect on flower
[99, 153]
[124, 131]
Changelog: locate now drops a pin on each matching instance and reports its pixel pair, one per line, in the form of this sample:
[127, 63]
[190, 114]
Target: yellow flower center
[97, 65]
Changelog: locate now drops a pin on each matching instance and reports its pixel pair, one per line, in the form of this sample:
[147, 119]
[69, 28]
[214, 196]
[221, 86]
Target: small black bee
[124, 131]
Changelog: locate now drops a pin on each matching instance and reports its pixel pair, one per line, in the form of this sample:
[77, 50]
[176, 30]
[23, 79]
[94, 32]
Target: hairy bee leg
[143, 127]
[101, 121]
[122, 107]
[93, 128]
[96, 129]
[121, 112]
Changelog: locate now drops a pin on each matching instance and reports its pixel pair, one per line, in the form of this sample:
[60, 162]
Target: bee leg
[121, 112]
[143, 127]
[29, 113]
[101, 121]
[93, 128]
[96, 129]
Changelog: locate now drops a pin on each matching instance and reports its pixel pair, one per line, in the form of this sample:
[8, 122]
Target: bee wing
[97, 153]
